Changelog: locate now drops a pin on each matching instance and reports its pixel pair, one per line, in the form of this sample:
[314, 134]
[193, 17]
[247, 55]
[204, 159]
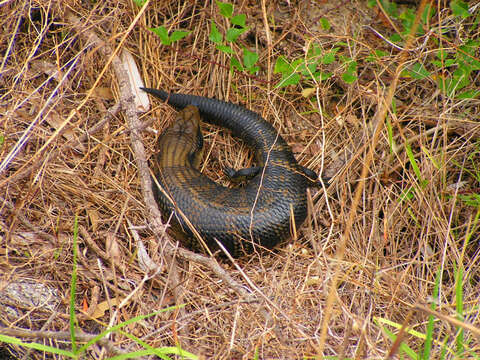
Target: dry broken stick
[126, 97]
[135, 126]
[126, 100]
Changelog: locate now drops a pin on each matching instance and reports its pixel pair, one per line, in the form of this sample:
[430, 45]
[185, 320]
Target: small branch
[128, 105]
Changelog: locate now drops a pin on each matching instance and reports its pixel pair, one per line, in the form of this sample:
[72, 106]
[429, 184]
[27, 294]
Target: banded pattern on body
[242, 219]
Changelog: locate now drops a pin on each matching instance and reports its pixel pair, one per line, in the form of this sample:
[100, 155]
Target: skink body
[257, 215]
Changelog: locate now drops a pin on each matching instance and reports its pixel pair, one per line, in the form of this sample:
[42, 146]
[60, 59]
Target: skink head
[182, 141]
[186, 123]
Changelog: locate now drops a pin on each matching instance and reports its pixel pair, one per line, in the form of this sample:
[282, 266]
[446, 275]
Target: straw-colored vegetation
[390, 251]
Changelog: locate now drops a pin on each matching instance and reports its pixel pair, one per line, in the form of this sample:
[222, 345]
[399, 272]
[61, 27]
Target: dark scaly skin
[244, 218]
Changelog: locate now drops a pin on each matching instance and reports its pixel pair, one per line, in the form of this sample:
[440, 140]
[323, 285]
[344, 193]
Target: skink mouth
[186, 124]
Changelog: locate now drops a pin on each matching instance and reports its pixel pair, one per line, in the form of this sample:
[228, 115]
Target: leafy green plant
[310, 67]
[292, 71]
[470, 199]
[456, 66]
[471, 168]
[237, 26]
[465, 64]
[78, 352]
[421, 183]
[166, 39]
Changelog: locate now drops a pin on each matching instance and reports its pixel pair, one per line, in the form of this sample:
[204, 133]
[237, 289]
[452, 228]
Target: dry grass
[392, 253]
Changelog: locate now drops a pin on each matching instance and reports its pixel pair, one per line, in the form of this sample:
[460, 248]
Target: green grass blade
[119, 326]
[13, 340]
[403, 347]
[160, 352]
[138, 354]
[73, 286]
[429, 335]
[391, 144]
[459, 307]
[444, 348]
[413, 162]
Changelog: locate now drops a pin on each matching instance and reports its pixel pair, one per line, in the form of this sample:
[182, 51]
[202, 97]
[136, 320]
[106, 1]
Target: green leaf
[160, 352]
[313, 51]
[459, 307]
[413, 162]
[467, 54]
[470, 94]
[139, 3]
[391, 142]
[308, 69]
[450, 62]
[460, 78]
[396, 38]
[225, 49]
[302, 69]
[428, 13]
[73, 286]
[431, 320]
[441, 54]
[226, 9]
[446, 63]
[325, 24]
[123, 324]
[249, 58]
[349, 77]
[453, 84]
[234, 33]
[470, 200]
[419, 72]
[234, 63]
[391, 8]
[282, 66]
[376, 55]
[289, 79]
[239, 20]
[162, 33]
[407, 194]
[296, 63]
[403, 347]
[45, 348]
[328, 58]
[408, 18]
[352, 66]
[215, 35]
[467, 50]
[312, 67]
[381, 53]
[178, 34]
[459, 8]
[319, 75]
